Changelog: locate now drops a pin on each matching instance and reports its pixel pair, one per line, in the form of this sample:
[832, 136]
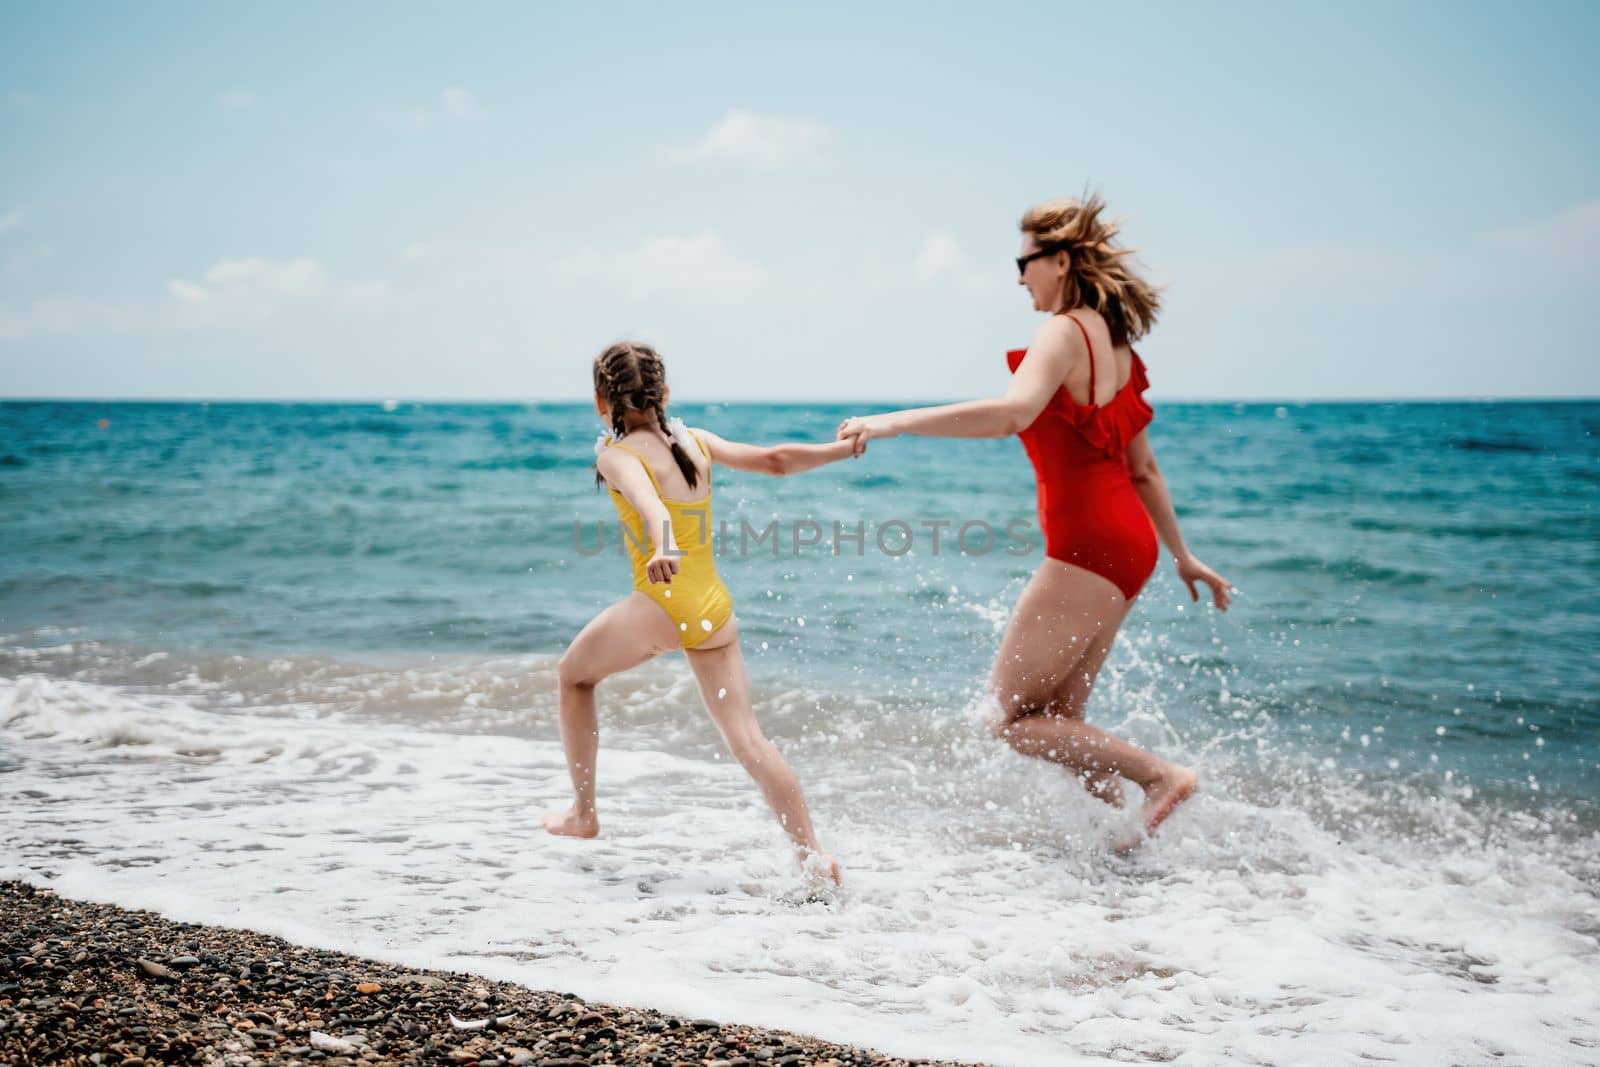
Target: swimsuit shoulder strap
[642, 462]
[704, 451]
[1083, 330]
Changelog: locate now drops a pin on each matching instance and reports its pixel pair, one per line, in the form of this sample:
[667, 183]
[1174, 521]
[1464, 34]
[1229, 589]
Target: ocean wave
[1347, 569]
[1494, 444]
[116, 585]
[1476, 531]
[381, 427]
[875, 481]
[529, 462]
[982, 915]
[37, 708]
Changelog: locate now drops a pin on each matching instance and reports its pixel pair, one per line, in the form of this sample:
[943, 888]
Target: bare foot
[1162, 799]
[573, 823]
[821, 866]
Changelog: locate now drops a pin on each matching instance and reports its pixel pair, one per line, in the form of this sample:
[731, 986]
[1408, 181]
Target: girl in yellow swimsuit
[659, 474]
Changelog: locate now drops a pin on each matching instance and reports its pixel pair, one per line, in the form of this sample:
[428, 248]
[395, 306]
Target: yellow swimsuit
[696, 600]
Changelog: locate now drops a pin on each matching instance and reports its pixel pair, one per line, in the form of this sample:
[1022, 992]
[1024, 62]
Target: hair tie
[680, 433]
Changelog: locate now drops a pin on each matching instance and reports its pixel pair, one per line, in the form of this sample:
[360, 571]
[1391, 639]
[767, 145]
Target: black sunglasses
[1023, 261]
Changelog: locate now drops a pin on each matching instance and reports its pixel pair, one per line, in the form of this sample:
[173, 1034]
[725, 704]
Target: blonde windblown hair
[1099, 275]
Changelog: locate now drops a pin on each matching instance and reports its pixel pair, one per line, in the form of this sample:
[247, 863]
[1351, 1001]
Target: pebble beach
[84, 983]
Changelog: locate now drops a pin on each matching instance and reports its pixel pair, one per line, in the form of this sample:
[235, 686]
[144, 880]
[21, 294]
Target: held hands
[859, 429]
[1191, 570]
[661, 568]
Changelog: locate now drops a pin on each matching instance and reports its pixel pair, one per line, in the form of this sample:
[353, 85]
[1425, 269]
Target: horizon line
[380, 401]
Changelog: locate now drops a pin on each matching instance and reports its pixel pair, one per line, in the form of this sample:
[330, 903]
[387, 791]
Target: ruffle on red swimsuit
[1107, 427]
[1090, 511]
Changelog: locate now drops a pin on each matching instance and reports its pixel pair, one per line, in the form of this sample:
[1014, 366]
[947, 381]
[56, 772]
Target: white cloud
[252, 281]
[1554, 249]
[700, 267]
[363, 297]
[294, 277]
[1570, 238]
[242, 292]
[12, 219]
[763, 141]
[231, 294]
[459, 104]
[236, 99]
[70, 316]
[186, 292]
[455, 104]
[942, 263]
[249, 291]
[1319, 267]
[940, 255]
[416, 252]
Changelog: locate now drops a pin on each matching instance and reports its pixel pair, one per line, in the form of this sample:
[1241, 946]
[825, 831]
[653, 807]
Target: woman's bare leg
[725, 686]
[1054, 628]
[1071, 700]
[628, 633]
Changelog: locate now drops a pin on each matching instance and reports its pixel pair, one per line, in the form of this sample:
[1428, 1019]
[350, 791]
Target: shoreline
[96, 984]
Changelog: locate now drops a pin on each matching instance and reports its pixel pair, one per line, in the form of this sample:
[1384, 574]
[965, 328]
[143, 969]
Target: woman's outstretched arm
[1152, 489]
[773, 459]
[1035, 382]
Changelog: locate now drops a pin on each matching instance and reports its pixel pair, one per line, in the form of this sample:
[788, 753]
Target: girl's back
[696, 599]
[659, 461]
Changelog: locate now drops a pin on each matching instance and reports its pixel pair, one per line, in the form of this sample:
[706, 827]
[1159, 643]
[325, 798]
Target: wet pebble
[233, 998]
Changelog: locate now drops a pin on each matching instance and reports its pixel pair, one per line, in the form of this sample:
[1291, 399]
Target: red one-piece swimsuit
[1091, 514]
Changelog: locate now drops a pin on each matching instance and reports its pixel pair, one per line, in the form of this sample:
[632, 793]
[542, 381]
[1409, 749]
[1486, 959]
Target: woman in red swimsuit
[1076, 401]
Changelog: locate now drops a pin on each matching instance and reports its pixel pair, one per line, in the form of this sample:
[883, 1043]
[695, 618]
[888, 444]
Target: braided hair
[631, 377]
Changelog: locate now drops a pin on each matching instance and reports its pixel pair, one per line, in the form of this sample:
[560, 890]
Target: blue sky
[810, 202]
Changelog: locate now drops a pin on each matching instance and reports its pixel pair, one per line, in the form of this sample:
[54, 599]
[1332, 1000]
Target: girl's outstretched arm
[625, 473]
[774, 459]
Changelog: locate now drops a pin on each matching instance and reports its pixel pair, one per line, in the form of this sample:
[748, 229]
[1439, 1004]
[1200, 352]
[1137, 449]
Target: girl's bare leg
[725, 686]
[628, 633]
[1053, 631]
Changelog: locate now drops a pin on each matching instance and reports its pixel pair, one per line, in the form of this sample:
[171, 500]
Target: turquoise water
[291, 667]
[1417, 568]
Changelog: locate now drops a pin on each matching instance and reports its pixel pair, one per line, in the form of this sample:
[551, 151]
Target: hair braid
[631, 377]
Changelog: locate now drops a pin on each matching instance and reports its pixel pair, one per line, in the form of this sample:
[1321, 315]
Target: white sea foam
[982, 916]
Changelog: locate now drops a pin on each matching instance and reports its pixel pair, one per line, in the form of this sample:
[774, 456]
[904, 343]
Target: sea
[292, 667]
